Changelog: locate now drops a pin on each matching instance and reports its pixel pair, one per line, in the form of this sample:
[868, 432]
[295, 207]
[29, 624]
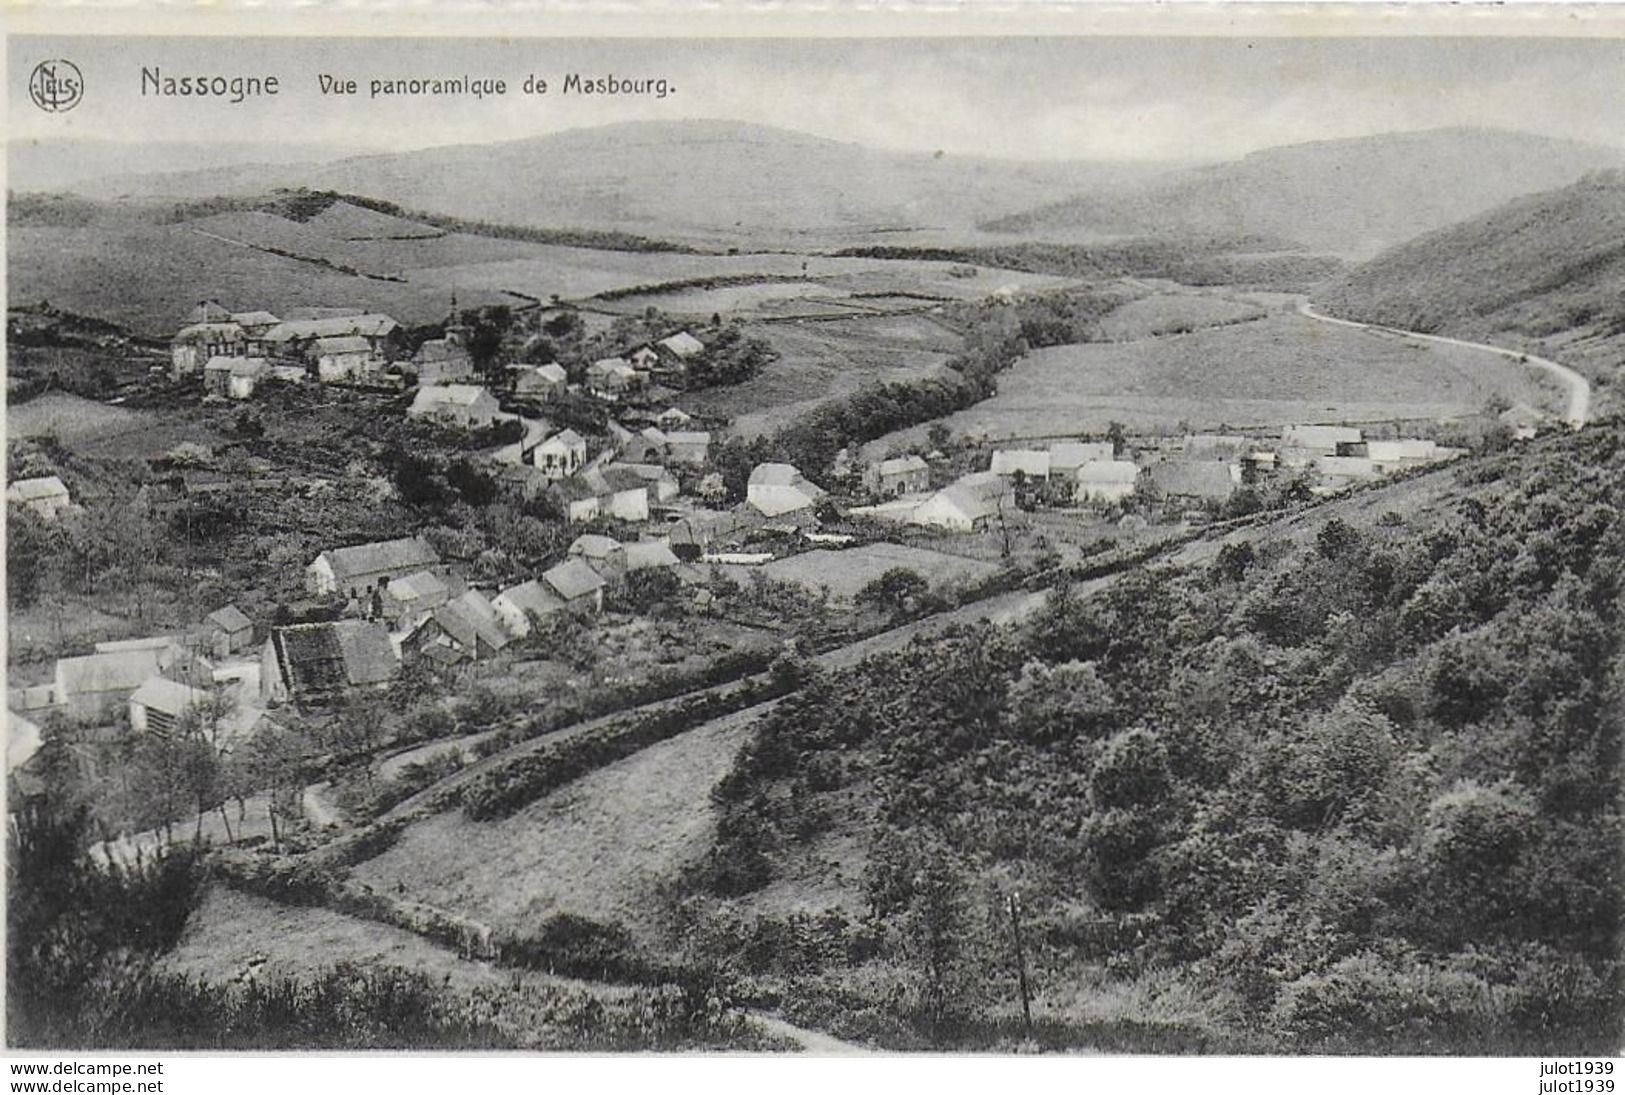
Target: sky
[1023, 98]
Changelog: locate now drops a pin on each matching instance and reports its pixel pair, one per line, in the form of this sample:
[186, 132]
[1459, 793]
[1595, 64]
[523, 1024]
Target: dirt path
[1578, 412]
[810, 1041]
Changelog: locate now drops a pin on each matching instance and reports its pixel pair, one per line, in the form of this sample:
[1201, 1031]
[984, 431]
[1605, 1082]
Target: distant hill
[698, 180]
[1351, 197]
[1548, 268]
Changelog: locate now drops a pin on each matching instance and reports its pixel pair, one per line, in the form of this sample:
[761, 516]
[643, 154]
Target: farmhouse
[898, 476]
[1066, 457]
[92, 686]
[1391, 456]
[538, 381]
[1319, 440]
[576, 584]
[1106, 481]
[317, 664]
[343, 357]
[1338, 472]
[363, 568]
[681, 346]
[968, 504]
[1197, 480]
[579, 500]
[605, 554]
[464, 628]
[464, 405]
[662, 483]
[409, 598]
[613, 378]
[1227, 448]
[46, 496]
[688, 446]
[298, 337]
[650, 555]
[562, 455]
[234, 377]
[776, 489]
[230, 631]
[518, 605]
[160, 704]
[622, 493]
[1032, 463]
[254, 324]
[442, 361]
[194, 346]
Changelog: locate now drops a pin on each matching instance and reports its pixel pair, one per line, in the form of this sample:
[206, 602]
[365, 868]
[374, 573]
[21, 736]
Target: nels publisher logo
[56, 86]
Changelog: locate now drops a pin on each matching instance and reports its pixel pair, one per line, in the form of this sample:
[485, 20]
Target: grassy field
[844, 573]
[72, 419]
[1173, 313]
[1273, 371]
[601, 847]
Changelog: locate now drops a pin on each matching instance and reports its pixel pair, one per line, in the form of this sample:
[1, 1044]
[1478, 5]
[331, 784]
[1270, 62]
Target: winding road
[1579, 406]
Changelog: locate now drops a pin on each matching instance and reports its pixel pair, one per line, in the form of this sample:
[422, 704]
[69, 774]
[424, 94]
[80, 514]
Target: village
[659, 532]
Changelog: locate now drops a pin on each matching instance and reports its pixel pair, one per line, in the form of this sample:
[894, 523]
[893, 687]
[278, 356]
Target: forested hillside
[1544, 268]
[1359, 794]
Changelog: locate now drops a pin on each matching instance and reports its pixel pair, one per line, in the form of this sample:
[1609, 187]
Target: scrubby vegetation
[1360, 795]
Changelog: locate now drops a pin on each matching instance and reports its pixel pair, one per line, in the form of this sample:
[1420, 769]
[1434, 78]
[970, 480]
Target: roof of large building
[531, 596]
[1071, 455]
[1402, 449]
[343, 344]
[645, 554]
[688, 437]
[593, 545]
[416, 587]
[777, 475]
[1194, 478]
[901, 465]
[34, 490]
[407, 554]
[168, 696]
[1108, 471]
[565, 439]
[572, 579]
[318, 659]
[449, 395]
[683, 344]
[1034, 462]
[1216, 446]
[369, 325]
[975, 496]
[106, 672]
[229, 618]
[205, 332]
[255, 319]
[1311, 437]
[471, 617]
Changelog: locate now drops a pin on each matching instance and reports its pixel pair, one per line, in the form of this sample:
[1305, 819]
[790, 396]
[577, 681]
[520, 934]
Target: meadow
[844, 573]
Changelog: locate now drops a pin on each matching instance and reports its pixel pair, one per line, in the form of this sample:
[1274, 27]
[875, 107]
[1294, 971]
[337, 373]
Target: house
[604, 554]
[517, 606]
[1344, 471]
[442, 361]
[234, 377]
[662, 484]
[254, 324]
[159, 705]
[343, 357]
[968, 504]
[538, 381]
[688, 446]
[701, 527]
[1225, 448]
[411, 597]
[194, 346]
[1106, 481]
[1319, 440]
[465, 405]
[1204, 480]
[622, 493]
[1066, 457]
[579, 500]
[465, 627]
[93, 686]
[1032, 463]
[1391, 456]
[360, 570]
[298, 337]
[46, 496]
[682, 346]
[671, 419]
[562, 455]
[776, 489]
[613, 378]
[217, 374]
[230, 631]
[649, 555]
[898, 476]
[317, 664]
[576, 584]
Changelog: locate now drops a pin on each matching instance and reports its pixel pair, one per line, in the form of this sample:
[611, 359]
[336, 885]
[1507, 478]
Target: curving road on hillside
[1579, 388]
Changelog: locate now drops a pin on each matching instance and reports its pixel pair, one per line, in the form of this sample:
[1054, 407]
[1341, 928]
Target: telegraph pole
[1021, 964]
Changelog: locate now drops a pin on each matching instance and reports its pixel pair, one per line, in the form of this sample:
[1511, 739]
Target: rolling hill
[705, 180]
[1545, 270]
[1351, 197]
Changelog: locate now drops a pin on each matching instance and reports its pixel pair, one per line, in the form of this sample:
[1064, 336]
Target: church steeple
[456, 331]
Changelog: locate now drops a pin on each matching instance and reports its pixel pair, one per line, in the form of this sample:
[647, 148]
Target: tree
[897, 591]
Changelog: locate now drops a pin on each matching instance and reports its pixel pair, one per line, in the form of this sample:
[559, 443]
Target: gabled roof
[606, 367]
[1312, 437]
[565, 439]
[33, 490]
[469, 618]
[901, 465]
[1108, 471]
[317, 659]
[976, 496]
[371, 325]
[688, 437]
[1034, 462]
[649, 473]
[254, 319]
[220, 363]
[683, 344]
[343, 344]
[449, 395]
[229, 618]
[1402, 449]
[416, 587]
[167, 696]
[405, 554]
[612, 479]
[1194, 478]
[593, 545]
[674, 415]
[436, 350]
[1070, 455]
[23, 740]
[1216, 446]
[553, 371]
[647, 554]
[573, 579]
[255, 367]
[531, 596]
[777, 475]
[204, 332]
[111, 672]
